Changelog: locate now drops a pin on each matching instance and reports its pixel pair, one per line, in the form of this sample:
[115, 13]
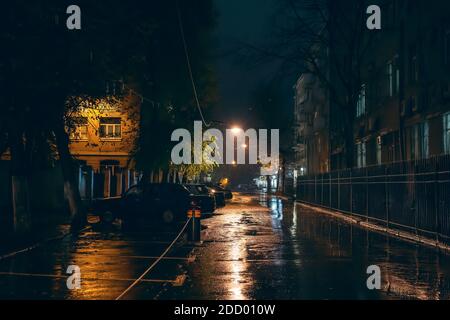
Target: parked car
[205, 199]
[219, 196]
[156, 202]
[228, 194]
[202, 189]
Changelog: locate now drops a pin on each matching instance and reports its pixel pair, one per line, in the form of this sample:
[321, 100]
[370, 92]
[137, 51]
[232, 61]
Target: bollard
[194, 231]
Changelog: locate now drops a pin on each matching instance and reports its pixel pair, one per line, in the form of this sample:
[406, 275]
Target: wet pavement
[262, 247]
[257, 247]
[109, 261]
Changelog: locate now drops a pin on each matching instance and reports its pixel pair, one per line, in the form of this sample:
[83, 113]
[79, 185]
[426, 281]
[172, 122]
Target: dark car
[162, 202]
[202, 189]
[228, 194]
[206, 200]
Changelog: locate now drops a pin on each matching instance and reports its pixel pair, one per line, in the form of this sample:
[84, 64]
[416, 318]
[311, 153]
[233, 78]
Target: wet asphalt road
[109, 261]
[261, 247]
[258, 247]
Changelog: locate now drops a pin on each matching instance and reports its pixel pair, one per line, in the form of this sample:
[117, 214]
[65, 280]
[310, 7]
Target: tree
[329, 39]
[45, 64]
[193, 172]
[46, 67]
[165, 82]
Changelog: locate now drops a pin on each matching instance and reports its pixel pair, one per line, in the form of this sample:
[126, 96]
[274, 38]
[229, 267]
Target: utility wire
[180, 23]
[141, 278]
[141, 96]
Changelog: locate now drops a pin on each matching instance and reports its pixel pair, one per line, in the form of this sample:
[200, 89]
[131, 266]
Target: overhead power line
[180, 23]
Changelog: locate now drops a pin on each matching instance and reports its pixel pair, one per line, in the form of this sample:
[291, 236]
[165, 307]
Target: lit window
[419, 141]
[110, 128]
[79, 130]
[446, 126]
[361, 154]
[361, 103]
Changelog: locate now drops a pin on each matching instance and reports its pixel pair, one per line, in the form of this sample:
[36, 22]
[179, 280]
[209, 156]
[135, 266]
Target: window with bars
[110, 128]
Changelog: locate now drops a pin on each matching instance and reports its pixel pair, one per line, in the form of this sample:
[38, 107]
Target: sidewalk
[43, 230]
[401, 234]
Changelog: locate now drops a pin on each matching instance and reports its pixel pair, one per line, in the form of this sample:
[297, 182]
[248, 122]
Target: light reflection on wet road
[258, 247]
[109, 261]
[283, 251]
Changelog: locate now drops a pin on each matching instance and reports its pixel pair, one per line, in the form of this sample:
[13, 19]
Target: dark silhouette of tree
[44, 65]
[326, 38]
[168, 82]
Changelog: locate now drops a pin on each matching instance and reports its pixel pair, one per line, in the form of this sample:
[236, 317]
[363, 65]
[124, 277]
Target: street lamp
[236, 130]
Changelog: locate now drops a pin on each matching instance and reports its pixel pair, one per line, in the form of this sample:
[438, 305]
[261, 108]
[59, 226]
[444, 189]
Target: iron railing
[411, 195]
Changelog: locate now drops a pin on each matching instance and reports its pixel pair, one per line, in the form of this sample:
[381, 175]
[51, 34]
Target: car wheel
[168, 217]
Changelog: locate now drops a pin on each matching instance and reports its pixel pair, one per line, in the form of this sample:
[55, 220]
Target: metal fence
[110, 181]
[412, 195]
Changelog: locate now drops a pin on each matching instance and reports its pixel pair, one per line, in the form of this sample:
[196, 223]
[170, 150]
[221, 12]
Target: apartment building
[102, 139]
[402, 108]
[311, 134]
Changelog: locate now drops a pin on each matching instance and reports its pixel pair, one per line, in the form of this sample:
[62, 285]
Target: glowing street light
[236, 130]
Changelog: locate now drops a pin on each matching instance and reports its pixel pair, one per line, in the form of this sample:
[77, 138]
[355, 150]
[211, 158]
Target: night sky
[241, 22]
[237, 22]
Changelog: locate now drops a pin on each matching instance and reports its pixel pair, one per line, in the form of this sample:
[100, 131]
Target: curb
[40, 243]
[406, 236]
